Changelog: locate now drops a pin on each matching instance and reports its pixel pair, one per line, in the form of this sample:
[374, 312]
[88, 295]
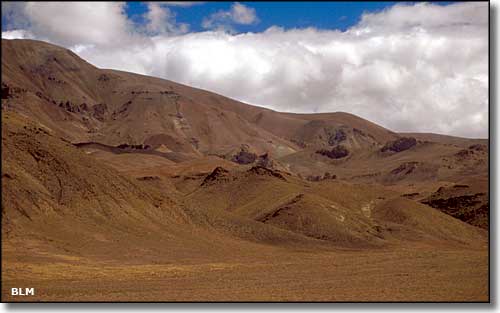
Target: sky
[327, 15]
[418, 67]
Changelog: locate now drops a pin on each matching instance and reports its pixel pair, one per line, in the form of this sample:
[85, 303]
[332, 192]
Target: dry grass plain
[410, 274]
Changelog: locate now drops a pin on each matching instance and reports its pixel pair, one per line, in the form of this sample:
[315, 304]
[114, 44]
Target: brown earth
[119, 187]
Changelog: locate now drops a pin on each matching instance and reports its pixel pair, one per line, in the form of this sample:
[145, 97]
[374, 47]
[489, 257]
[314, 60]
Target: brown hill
[125, 119]
[59, 199]
[348, 215]
[89, 105]
[86, 104]
[55, 194]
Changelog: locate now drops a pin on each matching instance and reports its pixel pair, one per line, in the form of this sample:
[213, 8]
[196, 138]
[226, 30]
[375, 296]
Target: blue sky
[322, 15]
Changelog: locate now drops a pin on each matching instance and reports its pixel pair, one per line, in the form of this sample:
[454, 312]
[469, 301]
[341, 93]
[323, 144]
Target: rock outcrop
[337, 152]
[400, 144]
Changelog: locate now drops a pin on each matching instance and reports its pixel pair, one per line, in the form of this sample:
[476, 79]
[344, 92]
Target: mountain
[114, 112]
[138, 181]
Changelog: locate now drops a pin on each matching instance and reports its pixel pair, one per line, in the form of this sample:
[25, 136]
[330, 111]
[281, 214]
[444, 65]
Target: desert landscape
[123, 187]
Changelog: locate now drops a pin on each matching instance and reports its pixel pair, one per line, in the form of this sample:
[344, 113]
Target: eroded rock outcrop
[263, 171]
[218, 174]
[400, 144]
[336, 152]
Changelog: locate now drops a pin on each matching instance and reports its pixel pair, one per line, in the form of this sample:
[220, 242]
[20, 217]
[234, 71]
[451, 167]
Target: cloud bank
[420, 67]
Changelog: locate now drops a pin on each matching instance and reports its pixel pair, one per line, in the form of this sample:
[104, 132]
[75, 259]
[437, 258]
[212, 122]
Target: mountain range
[165, 192]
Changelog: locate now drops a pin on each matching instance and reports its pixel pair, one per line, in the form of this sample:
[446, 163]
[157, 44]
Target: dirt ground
[423, 274]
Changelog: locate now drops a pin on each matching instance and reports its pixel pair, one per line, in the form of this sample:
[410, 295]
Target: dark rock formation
[265, 161]
[11, 92]
[6, 92]
[259, 170]
[405, 168]
[218, 174]
[464, 154]
[337, 152]
[410, 195]
[478, 147]
[400, 144]
[70, 106]
[126, 146]
[148, 178]
[329, 176]
[100, 111]
[84, 107]
[103, 78]
[326, 176]
[313, 178]
[472, 209]
[244, 156]
[337, 137]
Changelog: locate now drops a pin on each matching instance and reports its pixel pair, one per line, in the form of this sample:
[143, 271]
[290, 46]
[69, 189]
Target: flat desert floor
[422, 274]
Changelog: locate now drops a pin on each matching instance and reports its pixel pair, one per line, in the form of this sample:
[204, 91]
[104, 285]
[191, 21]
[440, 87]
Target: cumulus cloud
[75, 23]
[421, 67]
[17, 34]
[238, 14]
[161, 20]
[404, 17]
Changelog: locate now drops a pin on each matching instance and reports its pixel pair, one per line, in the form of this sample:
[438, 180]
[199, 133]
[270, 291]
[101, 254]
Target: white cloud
[242, 14]
[420, 67]
[71, 23]
[161, 20]
[238, 14]
[17, 34]
[406, 17]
